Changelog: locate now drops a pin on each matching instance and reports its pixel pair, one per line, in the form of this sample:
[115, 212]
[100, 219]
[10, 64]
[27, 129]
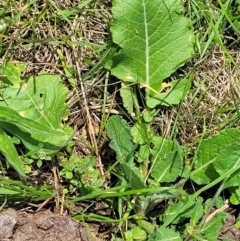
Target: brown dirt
[23, 226]
[229, 231]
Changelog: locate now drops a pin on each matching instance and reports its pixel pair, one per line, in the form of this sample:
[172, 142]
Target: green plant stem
[4, 203]
[135, 101]
[107, 55]
[105, 115]
[224, 8]
[116, 192]
[146, 161]
[216, 181]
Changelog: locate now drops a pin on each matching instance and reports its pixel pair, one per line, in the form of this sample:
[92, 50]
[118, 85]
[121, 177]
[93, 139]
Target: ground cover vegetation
[123, 113]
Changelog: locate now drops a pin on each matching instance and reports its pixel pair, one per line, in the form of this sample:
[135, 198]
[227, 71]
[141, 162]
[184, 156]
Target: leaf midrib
[146, 48]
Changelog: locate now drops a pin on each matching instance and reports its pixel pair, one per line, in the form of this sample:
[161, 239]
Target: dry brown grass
[212, 103]
[40, 29]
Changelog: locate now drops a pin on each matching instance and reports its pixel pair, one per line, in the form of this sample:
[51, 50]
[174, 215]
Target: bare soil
[41, 226]
[229, 231]
[45, 225]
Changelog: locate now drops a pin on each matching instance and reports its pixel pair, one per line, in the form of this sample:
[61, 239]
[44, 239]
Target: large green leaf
[33, 108]
[26, 129]
[41, 98]
[155, 39]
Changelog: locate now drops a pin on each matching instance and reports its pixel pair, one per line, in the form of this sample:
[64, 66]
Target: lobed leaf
[176, 92]
[235, 195]
[13, 71]
[198, 212]
[178, 212]
[140, 133]
[143, 153]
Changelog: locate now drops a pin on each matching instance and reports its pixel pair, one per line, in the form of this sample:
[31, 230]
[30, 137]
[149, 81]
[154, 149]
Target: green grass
[72, 40]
